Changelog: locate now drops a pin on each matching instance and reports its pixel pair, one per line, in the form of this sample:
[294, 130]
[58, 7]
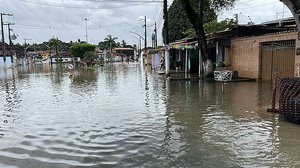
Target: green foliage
[104, 45]
[108, 42]
[179, 22]
[214, 26]
[190, 33]
[219, 5]
[79, 49]
[210, 27]
[55, 43]
[124, 44]
[89, 56]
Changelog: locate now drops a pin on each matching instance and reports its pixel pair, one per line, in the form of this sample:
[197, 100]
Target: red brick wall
[245, 53]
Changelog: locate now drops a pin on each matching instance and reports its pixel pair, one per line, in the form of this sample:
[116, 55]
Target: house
[125, 53]
[251, 51]
[7, 54]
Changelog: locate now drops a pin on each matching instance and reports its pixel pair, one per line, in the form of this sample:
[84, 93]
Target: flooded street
[123, 116]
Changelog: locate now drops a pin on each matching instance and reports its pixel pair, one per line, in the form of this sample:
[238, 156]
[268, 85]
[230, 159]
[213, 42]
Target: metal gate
[277, 58]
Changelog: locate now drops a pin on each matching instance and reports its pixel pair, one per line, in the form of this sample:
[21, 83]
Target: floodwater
[123, 116]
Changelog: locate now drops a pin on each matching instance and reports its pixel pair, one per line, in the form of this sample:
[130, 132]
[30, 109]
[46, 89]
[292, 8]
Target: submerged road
[123, 116]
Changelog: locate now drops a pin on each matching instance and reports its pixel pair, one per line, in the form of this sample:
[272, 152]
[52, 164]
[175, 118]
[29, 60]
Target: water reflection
[122, 115]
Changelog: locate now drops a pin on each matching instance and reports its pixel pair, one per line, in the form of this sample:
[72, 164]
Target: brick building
[260, 57]
[252, 51]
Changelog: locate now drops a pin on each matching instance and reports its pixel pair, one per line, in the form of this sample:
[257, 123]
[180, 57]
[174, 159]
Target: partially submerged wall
[245, 53]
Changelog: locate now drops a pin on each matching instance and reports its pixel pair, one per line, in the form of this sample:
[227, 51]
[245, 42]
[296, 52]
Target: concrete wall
[245, 53]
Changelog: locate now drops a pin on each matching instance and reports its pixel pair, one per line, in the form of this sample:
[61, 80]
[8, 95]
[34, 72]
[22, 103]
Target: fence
[286, 98]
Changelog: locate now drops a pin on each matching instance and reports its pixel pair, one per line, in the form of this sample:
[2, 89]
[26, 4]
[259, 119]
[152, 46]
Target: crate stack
[289, 100]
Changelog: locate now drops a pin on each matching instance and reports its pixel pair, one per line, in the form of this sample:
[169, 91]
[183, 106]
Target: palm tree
[54, 42]
[111, 41]
[124, 44]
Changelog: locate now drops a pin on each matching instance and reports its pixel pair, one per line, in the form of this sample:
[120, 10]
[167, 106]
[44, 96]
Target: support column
[186, 62]
[179, 58]
[167, 62]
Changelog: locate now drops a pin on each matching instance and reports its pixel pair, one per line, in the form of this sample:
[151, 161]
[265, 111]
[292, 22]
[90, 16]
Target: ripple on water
[119, 116]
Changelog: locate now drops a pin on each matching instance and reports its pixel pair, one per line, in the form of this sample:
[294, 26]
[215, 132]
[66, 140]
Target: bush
[79, 49]
[89, 56]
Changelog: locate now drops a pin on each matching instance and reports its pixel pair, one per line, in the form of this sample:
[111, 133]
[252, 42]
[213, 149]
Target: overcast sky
[41, 20]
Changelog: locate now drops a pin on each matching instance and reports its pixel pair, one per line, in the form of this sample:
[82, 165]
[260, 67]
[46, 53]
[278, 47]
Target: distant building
[125, 53]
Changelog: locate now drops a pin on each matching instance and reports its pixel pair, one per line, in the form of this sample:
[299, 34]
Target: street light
[86, 27]
[137, 35]
[140, 45]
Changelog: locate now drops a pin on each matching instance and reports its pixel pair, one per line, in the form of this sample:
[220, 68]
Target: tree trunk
[197, 22]
[56, 51]
[294, 6]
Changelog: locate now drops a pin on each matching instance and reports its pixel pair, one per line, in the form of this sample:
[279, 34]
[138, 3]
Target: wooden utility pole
[10, 42]
[3, 41]
[2, 32]
[145, 34]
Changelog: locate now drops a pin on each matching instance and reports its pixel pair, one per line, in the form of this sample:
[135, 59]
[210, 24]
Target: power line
[255, 6]
[120, 4]
[76, 28]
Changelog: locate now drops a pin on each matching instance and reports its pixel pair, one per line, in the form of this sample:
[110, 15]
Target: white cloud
[42, 22]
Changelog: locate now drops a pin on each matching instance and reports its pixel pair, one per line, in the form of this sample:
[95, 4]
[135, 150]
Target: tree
[210, 27]
[54, 42]
[123, 44]
[195, 13]
[294, 6]
[89, 56]
[179, 22]
[79, 49]
[111, 41]
[104, 45]
[108, 43]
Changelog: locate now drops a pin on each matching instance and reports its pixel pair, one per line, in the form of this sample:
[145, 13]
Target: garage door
[277, 58]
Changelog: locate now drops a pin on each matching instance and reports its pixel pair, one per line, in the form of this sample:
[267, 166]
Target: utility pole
[10, 42]
[166, 29]
[139, 45]
[86, 29]
[9, 30]
[145, 34]
[25, 53]
[155, 30]
[236, 20]
[2, 32]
